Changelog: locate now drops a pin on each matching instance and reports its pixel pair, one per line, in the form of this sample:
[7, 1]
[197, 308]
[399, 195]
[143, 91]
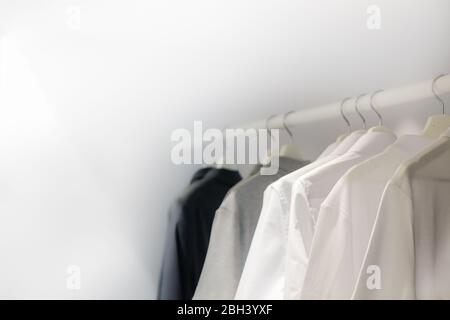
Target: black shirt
[190, 222]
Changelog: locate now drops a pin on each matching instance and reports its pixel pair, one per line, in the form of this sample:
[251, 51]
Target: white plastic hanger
[437, 124]
[289, 150]
[380, 127]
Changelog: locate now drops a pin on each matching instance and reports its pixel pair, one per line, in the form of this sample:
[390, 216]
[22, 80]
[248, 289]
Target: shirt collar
[446, 134]
[347, 143]
[288, 164]
[372, 143]
[230, 177]
[410, 143]
[200, 174]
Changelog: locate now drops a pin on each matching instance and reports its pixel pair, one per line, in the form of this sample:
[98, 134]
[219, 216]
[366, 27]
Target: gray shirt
[232, 232]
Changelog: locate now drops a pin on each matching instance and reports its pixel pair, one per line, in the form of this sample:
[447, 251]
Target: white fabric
[232, 232]
[308, 193]
[409, 250]
[346, 219]
[328, 150]
[263, 274]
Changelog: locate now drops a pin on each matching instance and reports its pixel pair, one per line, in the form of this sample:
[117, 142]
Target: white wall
[86, 113]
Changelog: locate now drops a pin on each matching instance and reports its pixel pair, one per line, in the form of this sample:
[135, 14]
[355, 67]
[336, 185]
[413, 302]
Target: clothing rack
[383, 100]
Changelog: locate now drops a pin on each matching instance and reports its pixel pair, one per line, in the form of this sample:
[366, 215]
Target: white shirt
[309, 191]
[328, 150]
[263, 273]
[346, 219]
[409, 251]
[232, 232]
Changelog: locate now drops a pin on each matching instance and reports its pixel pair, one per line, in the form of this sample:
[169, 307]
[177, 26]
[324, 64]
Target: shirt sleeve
[330, 260]
[300, 231]
[263, 274]
[330, 273]
[388, 268]
[220, 274]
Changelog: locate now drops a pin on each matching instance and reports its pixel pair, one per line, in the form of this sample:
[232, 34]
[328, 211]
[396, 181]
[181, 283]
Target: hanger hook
[380, 118]
[343, 115]
[435, 93]
[285, 125]
[359, 112]
[267, 125]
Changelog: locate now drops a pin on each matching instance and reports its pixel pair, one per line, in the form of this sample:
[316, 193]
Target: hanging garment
[189, 228]
[255, 170]
[409, 251]
[234, 224]
[328, 150]
[346, 219]
[264, 270]
[200, 174]
[308, 193]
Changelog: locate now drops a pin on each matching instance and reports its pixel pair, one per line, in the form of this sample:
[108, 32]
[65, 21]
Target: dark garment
[190, 222]
[200, 174]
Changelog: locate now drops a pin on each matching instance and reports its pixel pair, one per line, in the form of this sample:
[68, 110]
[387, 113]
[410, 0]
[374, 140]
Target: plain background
[90, 92]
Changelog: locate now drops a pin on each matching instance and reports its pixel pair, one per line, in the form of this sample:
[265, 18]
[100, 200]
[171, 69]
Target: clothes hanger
[437, 124]
[268, 154]
[380, 127]
[289, 150]
[360, 114]
[339, 139]
[344, 135]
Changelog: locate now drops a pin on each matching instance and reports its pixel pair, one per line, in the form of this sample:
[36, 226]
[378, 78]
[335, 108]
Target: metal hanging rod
[383, 100]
